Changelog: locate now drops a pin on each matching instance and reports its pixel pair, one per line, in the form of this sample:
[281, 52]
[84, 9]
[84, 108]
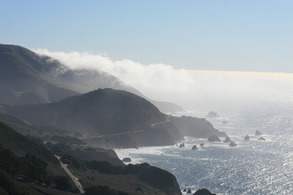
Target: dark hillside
[22, 145]
[104, 111]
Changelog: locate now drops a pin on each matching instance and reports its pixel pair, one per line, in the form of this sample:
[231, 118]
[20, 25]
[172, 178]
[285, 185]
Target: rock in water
[203, 192]
[246, 138]
[227, 139]
[232, 144]
[212, 114]
[258, 132]
[182, 145]
[214, 138]
[127, 160]
[261, 138]
[194, 147]
[225, 122]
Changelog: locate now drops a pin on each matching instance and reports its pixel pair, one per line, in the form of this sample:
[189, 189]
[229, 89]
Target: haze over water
[248, 102]
[252, 167]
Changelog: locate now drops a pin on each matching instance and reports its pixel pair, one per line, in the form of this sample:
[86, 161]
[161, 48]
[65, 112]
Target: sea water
[252, 167]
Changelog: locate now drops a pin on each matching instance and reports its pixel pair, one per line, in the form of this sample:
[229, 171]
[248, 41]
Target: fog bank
[192, 89]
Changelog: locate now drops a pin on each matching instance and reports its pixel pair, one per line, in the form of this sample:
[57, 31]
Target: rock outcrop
[194, 147]
[227, 139]
[225, 122]
[246, 138]
[258, 132]
[203, 192]
[212, 114]
[126, 160]
[214, 138]
[182, 145]
[232, 144]
[160, 179]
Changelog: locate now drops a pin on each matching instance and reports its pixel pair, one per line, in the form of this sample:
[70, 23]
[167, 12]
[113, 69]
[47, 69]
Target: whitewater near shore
[252, 167]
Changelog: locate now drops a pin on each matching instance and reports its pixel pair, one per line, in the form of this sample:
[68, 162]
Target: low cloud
[206, 90]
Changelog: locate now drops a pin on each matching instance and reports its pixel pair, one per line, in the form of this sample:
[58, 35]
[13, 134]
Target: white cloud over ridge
[153, 77]
[191, 89]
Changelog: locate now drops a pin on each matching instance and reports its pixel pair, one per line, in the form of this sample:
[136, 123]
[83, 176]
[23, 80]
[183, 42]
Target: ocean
[252, 167]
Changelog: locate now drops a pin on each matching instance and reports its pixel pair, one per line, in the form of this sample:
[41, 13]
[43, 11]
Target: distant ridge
[28, 78]
[22, 80]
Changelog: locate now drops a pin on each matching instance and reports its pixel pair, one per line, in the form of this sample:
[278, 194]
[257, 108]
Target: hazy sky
[240, 35]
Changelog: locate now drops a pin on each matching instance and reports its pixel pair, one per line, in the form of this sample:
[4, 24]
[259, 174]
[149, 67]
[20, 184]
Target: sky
[223, 35]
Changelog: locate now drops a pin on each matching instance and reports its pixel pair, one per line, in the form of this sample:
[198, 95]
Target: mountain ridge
[28, 78]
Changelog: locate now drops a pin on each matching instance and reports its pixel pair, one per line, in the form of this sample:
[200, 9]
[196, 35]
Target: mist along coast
[254, 166]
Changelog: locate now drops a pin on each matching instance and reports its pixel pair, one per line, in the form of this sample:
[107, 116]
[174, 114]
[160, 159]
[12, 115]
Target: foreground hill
[26, 159]
[22, 145]
[28, 167]
[28, 78]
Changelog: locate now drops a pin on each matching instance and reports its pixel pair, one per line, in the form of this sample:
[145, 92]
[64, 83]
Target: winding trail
[160, 123]
[114, 134]
[73, 178]
[128, 132]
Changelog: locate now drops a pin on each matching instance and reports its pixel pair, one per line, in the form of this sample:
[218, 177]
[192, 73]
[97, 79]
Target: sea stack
[261, 138]
[227, 139]
[246, 138]
[203, 192]
[212, 114]
[182, 145]
[232, 144]
[258, 132]
[214, 138]
[194, 147]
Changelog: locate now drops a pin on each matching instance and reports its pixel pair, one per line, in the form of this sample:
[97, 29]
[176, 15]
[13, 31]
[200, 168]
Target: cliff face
[195, 127]
[160, 179]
